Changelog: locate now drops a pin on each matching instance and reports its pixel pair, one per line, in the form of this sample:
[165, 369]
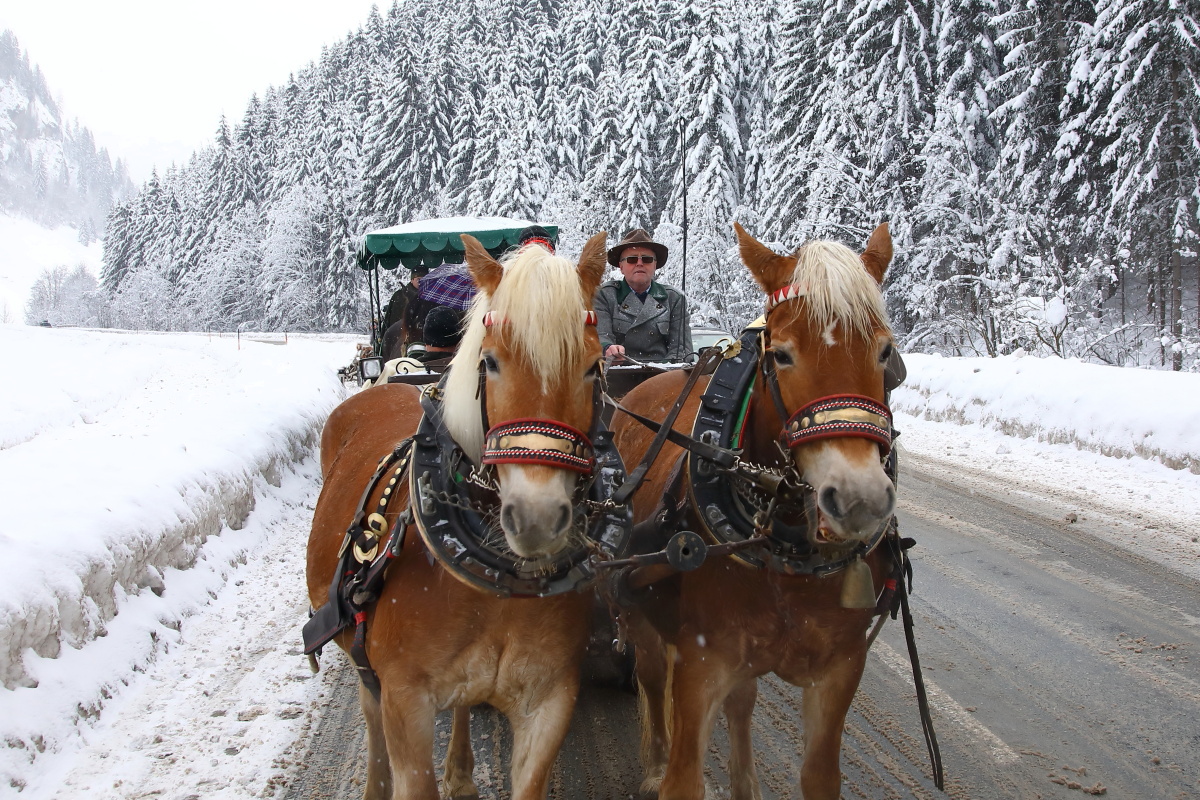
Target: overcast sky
[151, 78]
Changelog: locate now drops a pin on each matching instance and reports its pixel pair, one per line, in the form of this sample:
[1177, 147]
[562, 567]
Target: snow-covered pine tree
[644, 119]
[953, 290]
[1141, 117]
[806, 78]
[716, 282]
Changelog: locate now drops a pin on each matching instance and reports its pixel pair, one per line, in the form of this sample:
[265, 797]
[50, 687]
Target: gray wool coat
[656, 330]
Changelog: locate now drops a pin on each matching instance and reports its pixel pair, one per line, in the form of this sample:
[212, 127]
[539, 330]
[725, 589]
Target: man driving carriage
[638, 317]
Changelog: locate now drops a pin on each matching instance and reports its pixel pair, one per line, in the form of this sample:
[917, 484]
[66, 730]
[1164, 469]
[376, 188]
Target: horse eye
[594, 371]
[489, 363]
[886, 353]
[781, 357]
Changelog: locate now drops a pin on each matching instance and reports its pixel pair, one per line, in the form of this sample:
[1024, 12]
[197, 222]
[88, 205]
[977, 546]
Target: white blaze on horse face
[535, 508]
[854, 494]
[828, 335]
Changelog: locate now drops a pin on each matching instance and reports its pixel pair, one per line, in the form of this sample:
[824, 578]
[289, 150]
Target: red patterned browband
[789, 292]
[539, 441]
[840, 415]
[492, 318]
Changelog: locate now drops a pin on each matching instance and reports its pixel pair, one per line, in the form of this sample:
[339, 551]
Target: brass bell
[858, 586]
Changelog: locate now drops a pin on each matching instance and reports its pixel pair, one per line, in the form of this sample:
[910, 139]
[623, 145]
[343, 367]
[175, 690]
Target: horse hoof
[649, 788]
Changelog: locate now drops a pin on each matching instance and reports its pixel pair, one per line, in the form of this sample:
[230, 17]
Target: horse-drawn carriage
[424, 245]
[465, 528]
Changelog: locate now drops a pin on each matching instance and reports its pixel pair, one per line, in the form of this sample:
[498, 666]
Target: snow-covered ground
[155, 493]
[26, 250]
[136, 472]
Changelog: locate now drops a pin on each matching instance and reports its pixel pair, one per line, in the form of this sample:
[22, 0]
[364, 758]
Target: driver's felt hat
[637, 238]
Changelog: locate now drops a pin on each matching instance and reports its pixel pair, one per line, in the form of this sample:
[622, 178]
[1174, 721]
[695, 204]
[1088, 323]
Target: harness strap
[360, 570]
[931, 743]
[664, 431]
[895, 598]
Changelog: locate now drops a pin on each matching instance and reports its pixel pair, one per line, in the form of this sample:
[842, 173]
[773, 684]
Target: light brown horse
[434, 641]
[704, 637]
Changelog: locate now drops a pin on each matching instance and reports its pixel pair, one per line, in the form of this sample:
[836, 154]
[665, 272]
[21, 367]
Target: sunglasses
[631, 260]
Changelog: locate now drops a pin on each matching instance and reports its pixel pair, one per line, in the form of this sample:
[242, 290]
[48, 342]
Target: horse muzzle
[539, 462]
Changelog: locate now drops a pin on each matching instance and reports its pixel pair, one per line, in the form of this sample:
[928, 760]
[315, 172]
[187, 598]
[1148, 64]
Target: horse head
[521, 391]
[828, 341]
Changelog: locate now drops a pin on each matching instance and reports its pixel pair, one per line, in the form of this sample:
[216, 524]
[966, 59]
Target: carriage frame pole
[683, 171]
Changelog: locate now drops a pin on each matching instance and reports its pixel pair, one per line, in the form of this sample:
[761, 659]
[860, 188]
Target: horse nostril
[828, 502]
[507, 521]
[564, 517]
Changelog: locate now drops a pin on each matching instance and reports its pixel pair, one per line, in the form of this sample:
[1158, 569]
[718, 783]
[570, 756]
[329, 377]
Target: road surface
[1059, 666]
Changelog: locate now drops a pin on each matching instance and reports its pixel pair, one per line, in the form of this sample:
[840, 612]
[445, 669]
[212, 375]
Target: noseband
[540, 442]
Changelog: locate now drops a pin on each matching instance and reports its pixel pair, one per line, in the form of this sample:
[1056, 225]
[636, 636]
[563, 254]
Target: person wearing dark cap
[442, 333]
[637, 316]
[396, 310]
[535, 234]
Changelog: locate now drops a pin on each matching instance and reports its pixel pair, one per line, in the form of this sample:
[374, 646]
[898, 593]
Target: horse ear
[593, 265]
[771, 270]
[878, 254]
[485, 270]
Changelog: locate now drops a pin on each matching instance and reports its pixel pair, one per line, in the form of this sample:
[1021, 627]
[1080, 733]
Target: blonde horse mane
[541, 302]
[837, 289]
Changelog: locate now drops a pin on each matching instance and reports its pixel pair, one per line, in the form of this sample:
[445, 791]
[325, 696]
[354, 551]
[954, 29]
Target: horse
[702, 638]
[433, 640]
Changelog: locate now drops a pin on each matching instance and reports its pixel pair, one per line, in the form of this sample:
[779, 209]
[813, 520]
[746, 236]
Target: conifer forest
[1038, 161]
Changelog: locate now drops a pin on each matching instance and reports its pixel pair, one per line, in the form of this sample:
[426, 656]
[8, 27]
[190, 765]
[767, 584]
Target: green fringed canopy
[433, 242]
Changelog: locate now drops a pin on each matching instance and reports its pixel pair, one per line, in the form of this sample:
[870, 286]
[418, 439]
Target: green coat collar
[624, 290]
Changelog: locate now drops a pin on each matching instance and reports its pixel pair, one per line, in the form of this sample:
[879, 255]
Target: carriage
[764, 501]
[428, 244]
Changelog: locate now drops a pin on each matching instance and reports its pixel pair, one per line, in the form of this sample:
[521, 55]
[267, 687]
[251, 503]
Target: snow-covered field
[136, 472]
[26, 250]
[156, 490]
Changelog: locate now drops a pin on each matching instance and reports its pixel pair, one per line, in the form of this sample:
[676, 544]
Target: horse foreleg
[825, 705]
[698, 687]
[538, 735]
[408, 715]
[739, 708]
[379, 770]
[652, 665]
[458, 770]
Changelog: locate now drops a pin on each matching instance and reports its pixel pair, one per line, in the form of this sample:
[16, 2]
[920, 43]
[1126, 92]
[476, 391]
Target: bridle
[455, 501]
[762, 513]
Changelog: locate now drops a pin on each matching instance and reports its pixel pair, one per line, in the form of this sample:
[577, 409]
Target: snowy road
[1058, 665]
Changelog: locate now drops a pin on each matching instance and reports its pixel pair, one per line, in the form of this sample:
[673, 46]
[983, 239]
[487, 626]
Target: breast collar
[457, 513]
[723, 511]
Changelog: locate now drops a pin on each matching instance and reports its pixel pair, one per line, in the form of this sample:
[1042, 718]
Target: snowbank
[1109, 410]
[120, 455]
